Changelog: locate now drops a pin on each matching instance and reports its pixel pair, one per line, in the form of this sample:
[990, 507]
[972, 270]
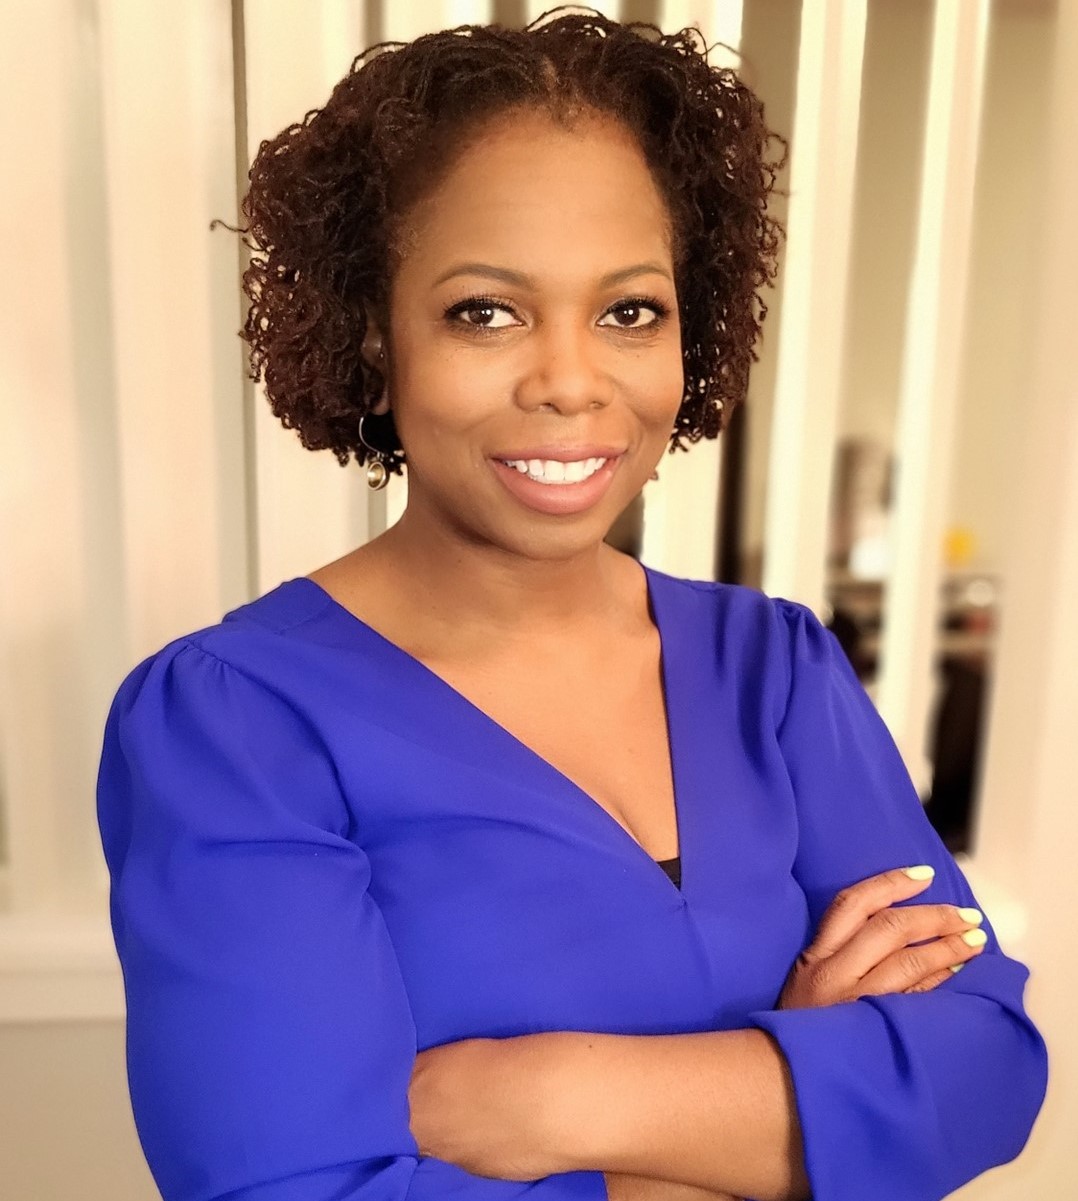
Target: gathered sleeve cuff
[901, 1097]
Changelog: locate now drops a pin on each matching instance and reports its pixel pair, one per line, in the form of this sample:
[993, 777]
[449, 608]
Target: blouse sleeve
[270, 1041]
[901, 1097]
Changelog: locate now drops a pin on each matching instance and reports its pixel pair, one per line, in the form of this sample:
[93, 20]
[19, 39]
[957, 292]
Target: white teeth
[554, 471]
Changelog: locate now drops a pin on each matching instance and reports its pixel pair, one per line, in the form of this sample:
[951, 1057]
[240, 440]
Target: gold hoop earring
[378, 469]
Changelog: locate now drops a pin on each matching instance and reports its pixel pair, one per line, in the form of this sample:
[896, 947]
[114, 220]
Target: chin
[552, 544]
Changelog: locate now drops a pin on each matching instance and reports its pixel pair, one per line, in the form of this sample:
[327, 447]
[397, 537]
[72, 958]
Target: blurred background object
[906, 463]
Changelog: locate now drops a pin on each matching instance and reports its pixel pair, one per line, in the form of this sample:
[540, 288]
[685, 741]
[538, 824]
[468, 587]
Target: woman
[483, 861]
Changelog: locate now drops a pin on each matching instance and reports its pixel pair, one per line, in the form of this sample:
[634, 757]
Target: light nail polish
[923, 871]
[975, 938]
[957, 967]
[973, 916]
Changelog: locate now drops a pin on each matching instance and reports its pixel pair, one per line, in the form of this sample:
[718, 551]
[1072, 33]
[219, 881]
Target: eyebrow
[526, 281]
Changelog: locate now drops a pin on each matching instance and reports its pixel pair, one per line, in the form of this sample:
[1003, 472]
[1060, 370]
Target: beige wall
[65, 1118]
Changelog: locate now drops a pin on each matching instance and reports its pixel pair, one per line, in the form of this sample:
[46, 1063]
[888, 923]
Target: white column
[405, 22]
[811, 329]
[170, 169]
[1027, 829]
[929, 389]
[50, 384]
[536, 8]
[717, 20]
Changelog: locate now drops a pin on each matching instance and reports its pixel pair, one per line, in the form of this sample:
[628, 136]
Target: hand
[623, 1187]
[862, 946]
[480, 1103]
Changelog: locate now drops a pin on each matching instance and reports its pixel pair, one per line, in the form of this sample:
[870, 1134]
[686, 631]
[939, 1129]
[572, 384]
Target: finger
[932, 981]
[892, 930]
[905, 968]
[853, 906]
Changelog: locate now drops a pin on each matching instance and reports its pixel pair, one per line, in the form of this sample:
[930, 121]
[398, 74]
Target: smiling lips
[556, 471]
[558, 481]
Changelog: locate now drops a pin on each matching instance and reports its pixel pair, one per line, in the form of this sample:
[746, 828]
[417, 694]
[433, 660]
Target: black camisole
[672, 867]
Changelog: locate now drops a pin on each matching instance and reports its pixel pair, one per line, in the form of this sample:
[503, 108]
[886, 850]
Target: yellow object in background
[959, 545]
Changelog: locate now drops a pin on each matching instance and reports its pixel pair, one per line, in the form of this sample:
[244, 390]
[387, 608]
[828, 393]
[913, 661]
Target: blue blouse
[324, 859]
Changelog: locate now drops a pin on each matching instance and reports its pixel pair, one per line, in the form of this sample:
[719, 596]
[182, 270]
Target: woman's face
[534, 317]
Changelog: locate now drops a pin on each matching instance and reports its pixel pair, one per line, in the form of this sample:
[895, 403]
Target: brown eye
[637, 307]
[634, 312]
[483, 307]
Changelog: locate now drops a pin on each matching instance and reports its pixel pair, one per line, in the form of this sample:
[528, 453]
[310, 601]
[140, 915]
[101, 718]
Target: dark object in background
[956, 735]
[956, 740]
[849, 633]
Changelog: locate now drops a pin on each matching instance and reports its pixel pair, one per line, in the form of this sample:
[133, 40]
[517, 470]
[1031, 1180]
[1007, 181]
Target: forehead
[533, 194]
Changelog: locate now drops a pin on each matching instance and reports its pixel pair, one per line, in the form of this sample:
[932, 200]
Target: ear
[373, 352]
[372, 348]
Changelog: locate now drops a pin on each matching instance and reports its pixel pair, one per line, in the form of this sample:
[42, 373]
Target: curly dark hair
[329, 196]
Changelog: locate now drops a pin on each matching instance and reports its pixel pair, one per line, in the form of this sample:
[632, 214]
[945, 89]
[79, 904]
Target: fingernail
[923, 871]
[975, 938]
[973, 916]
[957, 967]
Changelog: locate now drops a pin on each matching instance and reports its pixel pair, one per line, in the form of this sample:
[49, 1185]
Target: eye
[477, 305]
[638, 306]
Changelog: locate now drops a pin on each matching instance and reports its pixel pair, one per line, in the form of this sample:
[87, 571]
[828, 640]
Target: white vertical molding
[536, 8]
[344, 35]
[1027, 824]
[812, 323]
[717, 20]
[467, 12]
[310, 510]
[170, 169]
[689, 481]
[44, 632]
[405, 22]
[929, 388]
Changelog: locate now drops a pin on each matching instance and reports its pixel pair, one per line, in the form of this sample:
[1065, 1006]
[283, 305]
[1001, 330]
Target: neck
[469, 586]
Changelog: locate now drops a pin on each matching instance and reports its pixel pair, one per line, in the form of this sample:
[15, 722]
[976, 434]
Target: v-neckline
[666, 671]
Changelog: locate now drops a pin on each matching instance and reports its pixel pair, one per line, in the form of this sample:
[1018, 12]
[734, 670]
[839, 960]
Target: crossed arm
[715, 1110]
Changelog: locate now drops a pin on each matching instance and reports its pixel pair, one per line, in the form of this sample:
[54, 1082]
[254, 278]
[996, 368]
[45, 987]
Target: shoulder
[745, 616]
[210, 722]
[260, 642]
[761, 644]
[189, 692]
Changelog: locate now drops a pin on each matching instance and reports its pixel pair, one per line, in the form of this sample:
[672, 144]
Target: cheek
[658, 387]
[444, 412]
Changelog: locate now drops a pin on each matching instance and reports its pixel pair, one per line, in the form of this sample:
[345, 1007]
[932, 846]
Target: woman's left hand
[479, 1103]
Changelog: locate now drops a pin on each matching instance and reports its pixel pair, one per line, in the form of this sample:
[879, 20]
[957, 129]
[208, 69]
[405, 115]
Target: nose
[566, 373]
